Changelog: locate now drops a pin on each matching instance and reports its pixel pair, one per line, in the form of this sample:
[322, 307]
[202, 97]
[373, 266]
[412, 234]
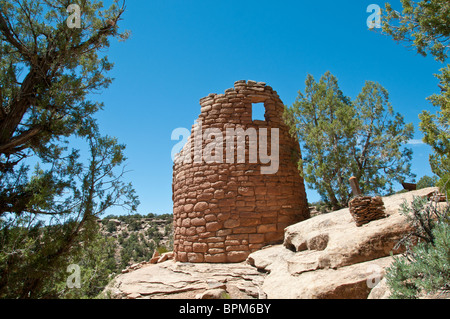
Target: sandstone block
[216, 245]
[217, 239]
[200, 247]
[223, 216]
[205, 196]
[267, 228]
[224, 232]
[246, 191]
[237, 256]
[201, 206]
[213, 226]
[181, 256]
[237, 248]
[219, 194]
[231, 223]
[232, 242]
[244, 230]
[200, 230]
[250, 221]
[198, 221]
[256, 238]
[195, 257]
[216, 258]
[190, 231]
[186, 222]
[216, 250]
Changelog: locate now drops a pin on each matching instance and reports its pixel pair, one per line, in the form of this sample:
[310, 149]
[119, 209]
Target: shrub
[111, 226]
[425, 266]
[134, 225]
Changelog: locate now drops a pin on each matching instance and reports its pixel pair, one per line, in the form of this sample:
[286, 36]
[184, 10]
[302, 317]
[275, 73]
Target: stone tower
[236, 184]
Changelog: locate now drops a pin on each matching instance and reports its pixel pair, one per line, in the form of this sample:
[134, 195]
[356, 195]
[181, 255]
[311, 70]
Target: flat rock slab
[350, 282]
[173, 280]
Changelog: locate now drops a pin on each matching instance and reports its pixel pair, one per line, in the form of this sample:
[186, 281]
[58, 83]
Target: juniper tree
[380, 157]
[427, 181]
[47, 71]
[422, 24]
[72, 194]
[341, 138]
[323, 120]
[425, 26]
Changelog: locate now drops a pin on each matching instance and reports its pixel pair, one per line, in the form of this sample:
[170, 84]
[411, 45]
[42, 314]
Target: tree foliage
[341, 138]
[425, 26]
[33, 248]
[427, 181]
[142, 238]
[424, 267]
[47, 71]
[436, 130]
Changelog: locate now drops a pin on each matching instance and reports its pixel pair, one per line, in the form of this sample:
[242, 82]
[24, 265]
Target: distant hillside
[135, 237]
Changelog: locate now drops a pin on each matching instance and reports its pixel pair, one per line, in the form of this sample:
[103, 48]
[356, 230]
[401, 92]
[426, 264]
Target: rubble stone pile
[364, 209]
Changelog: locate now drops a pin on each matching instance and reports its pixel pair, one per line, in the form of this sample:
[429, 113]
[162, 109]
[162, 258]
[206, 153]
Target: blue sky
[180, 51]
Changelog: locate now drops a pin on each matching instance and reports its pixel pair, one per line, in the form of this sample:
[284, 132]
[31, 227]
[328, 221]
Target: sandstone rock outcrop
[326, 256]
[154, 260]
[173, 280]
[232, 197]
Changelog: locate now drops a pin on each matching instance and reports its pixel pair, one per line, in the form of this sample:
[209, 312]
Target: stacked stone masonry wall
[224, 211]
[364, 209]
